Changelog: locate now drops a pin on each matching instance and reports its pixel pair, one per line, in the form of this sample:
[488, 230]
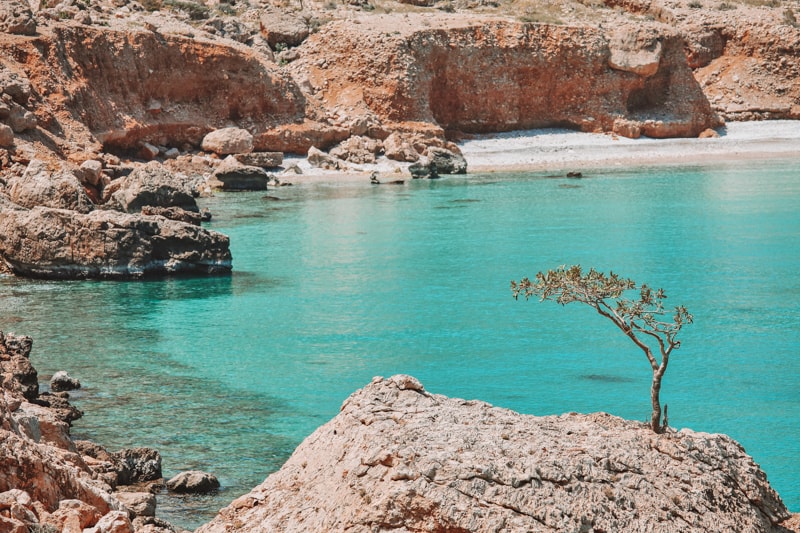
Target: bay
[335, 283]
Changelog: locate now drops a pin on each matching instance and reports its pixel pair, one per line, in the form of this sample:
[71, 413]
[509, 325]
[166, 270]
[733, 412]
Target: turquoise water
[337, 283]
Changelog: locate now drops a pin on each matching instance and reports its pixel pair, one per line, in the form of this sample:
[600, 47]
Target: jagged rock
[62, 244]
[399, 149]
[62, 381]
[16, 85]
[357, 149]
[138, 464]
[423, 169]
[17, 374]
[71, 514]
[446, 161]
[150, 185]
[261, 159]
[138, 503]
[90, 172]
[234, 176]
[283, 29]
[397, 457]
[228, 141]
[16, 17]
[47, 185]
[113, 522]
[193, 481]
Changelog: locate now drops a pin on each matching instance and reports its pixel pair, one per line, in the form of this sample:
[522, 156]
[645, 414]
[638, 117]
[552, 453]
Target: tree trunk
[655, 390]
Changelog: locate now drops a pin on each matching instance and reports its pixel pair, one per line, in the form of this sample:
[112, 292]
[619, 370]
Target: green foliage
[637, 310]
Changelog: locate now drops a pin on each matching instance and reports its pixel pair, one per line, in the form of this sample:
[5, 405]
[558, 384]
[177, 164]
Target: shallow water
[337, 283]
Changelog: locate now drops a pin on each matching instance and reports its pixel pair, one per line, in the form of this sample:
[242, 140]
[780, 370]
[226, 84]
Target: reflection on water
[336, 283]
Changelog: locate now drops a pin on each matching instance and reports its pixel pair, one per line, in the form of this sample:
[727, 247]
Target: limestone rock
[138, 464]
[634, 51]
[62, 381]
[17, 18]
[193, 481]
[62, 244]
[283, 29]
[174, 213]
[318, 158]
[423, 169]
[228, 141]
[51, 186]
[6, 136]
[357, 149]
[446, 161]
[627, 128]
[399, 149]
[397, 457]
[234, 176]
[138, 503]
[150, 185]
[90, 172]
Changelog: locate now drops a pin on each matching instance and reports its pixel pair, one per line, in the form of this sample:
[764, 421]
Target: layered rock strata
[397, 457]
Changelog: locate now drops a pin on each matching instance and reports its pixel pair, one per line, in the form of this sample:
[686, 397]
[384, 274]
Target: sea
[337, 282]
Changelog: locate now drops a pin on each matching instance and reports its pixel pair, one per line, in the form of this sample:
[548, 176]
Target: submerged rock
[399, 457]
[194, 482]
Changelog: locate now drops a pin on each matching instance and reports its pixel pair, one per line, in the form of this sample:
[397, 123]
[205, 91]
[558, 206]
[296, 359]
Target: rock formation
[397, 457]
[49, 482]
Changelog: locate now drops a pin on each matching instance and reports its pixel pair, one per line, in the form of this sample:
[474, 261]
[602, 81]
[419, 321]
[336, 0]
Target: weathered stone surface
[138, 503]
[261, 159]
[174, 213]
[357, 149]
[138, 464]
[48, 185]
[193, 481]
[16, 17]
[150, 185]
[6, 136]
[318, 158]
[283, 29]
[62, 381]
[423, 169]
[234, 176]
[228, 141]
[399, 457]
[638, 52]
[400, 149]
[446, 161]
[62, 244]
[90, 172]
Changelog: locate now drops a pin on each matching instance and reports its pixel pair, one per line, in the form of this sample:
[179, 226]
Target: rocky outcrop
[42, 185]
[397, 457]
[62, 244]
[150, 185]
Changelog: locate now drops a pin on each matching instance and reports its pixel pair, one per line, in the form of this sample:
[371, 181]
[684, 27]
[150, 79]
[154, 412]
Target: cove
[335, 283]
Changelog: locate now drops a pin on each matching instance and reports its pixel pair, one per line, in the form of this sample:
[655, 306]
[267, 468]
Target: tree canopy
[637, 310]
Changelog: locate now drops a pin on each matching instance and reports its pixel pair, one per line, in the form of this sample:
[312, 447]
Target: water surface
[336, 283]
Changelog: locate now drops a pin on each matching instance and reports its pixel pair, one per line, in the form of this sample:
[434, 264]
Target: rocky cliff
[399, 458]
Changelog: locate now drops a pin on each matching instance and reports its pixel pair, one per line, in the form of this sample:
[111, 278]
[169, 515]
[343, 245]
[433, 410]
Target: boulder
[138, 503]
[423, 169]
[42, 184]
[61, 381]
[90, 172]
[228, 141]
[20, 119]
[447, 161]
[234, 176]
[318, 158]
[6, 136]
[398, 457]
[62, 244]
[635, 50]
[150, 185]
[17, 18]
[396, 147]
[137, 465]
[357, 149]
[283, 29]
[193, 481]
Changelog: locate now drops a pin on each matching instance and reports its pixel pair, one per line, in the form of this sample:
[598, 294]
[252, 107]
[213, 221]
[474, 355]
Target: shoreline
[564, 150]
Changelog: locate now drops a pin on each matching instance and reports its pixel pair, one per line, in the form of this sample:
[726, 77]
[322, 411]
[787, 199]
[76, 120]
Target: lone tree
[644, 319]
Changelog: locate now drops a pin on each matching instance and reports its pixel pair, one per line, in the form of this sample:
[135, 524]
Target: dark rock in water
[574, 174]
[423, 169]
[446, 161]
[137, 465]
[61, 244]
[234, 176]
[62, 381]
[194, 482]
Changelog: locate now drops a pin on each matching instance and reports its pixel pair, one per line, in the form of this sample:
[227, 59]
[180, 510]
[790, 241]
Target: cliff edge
[399, 458]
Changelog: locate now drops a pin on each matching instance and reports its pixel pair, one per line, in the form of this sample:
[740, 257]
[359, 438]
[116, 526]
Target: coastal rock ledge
[399, 458]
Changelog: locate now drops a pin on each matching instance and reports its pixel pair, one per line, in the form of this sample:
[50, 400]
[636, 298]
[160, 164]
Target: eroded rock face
[401, 458]
[41, 184]
[62, 244]
[150, 185]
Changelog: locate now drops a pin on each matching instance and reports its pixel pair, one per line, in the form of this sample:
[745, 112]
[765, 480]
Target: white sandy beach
[561, 149]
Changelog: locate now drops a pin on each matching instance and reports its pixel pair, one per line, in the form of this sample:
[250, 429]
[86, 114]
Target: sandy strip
[561, 149]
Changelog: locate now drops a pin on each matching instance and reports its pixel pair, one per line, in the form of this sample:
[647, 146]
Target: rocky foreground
[399, 458]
